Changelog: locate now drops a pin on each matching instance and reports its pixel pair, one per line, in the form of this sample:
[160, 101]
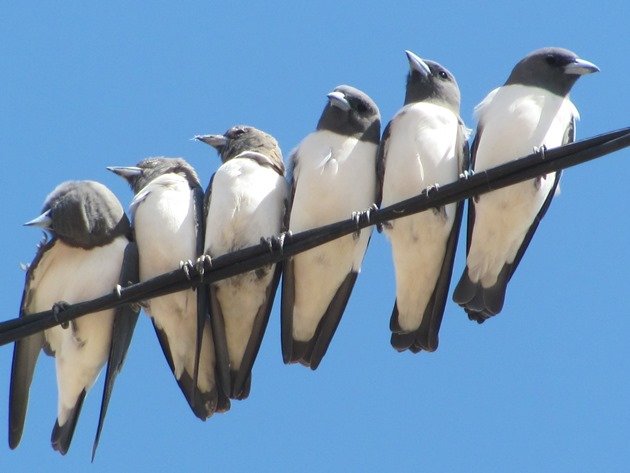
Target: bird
[531, 111]
[333, 176]
[85, 257]
[167, 215]
[424, 145]
[245, 202]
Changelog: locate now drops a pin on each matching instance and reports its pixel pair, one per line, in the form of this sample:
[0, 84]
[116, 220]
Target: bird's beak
[43, 221]
[216, 141]
[126, 172]
[337, 99]
[417, 64]
[580, 67]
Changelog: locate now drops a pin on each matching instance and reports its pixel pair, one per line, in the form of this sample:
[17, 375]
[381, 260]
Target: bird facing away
[424, 145]
[333, 175]
[81, 261]
[245, 201]
[530, 111]
[167, 212]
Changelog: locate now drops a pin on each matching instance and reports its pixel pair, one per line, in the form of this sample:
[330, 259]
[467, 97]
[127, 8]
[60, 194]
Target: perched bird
[245, 201]
[84, 259]
[423, 146]
[530, 111]
[167, 214]
[333, 175]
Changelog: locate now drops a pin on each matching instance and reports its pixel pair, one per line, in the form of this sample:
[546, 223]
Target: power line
[225, 266]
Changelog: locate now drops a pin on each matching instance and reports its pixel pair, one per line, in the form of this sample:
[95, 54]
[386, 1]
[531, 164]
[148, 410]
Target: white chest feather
[335, 176]
[247, 203]
[164, 220]
[420, 151]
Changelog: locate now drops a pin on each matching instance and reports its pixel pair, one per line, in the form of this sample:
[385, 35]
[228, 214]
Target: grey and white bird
[530, 111]
[167, 212]
[245, 201]
[423, 146]
[84, 259]
[333, 176]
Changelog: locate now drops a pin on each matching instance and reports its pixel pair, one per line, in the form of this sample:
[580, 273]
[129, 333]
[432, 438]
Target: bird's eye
[237, 132]
[361, 107]
[443, 74]
[551, 60]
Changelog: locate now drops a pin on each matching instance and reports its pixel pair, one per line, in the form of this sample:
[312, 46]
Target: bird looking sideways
[87, 255]
[245, 201]
[530, 111]
[167, 212]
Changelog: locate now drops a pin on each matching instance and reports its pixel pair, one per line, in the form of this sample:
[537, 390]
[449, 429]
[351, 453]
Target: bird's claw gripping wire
[58, 308]
[275, 243]
[187, 267]
[362, 219]
[467, 174]
[541, 150]
[431, 190]
[200, 264]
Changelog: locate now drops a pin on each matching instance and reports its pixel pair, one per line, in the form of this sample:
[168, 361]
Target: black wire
[533, 165]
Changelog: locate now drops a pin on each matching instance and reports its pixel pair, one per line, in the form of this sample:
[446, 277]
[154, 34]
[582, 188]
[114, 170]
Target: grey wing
[125, 319]
[204, 310]
[241, 382]
[287, 295]
[25, 354]
[380, 165]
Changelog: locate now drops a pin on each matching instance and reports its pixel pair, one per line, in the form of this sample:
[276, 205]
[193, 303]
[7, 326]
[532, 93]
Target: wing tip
[61, 435]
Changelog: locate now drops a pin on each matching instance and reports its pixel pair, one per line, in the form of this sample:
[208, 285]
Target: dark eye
[551, 60]
[361, 107]
[443, 74]
[237, 132]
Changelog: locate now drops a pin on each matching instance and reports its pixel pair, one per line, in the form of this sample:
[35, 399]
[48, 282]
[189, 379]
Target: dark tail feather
[62, 435]
[482, 303]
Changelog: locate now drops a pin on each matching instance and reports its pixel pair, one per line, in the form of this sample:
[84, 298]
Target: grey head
[351, 112]
[83, 214]
[553, 69]
[240, 139]
[428, 81]
[150, 168]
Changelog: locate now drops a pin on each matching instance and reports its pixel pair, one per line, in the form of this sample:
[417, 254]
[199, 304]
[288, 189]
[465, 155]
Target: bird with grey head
[424, 145]
[531, 111]
[333, 178]
[245, 202]
[87, 256]
[168, 223]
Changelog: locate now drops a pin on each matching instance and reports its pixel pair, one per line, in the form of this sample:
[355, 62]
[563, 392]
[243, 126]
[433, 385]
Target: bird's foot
[276, 243]
[187, 267]
[431, 190]
[58, 308]
[201, 263]
[541, 150]
[362, 219]
[467, 174]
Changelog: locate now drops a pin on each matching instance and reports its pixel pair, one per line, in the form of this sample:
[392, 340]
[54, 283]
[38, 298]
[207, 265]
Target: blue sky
[543, 386]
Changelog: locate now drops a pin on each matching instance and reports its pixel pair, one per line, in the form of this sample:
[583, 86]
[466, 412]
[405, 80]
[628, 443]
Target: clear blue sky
[543, 386]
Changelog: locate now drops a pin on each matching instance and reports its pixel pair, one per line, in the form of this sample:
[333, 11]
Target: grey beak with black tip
[216, 141]
[125, 171]
[417, 64]
[338, 99]
[43, 221]
[580, 67]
